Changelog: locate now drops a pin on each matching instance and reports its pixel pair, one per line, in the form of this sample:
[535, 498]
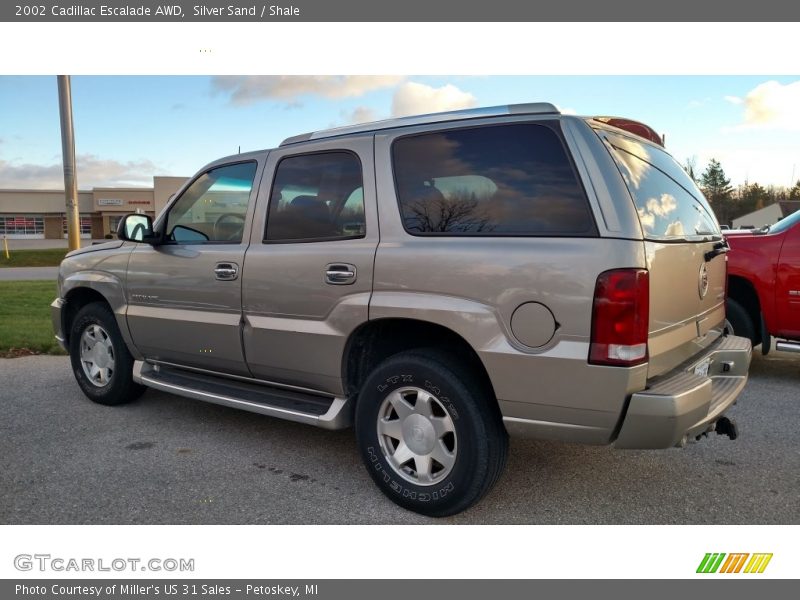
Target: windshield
[784, 223]
[669, 203]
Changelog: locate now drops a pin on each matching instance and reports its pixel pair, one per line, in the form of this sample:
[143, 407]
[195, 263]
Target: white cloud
[771, 105]
[763, 158]
[657, 207]
[361, 114]
[734, 99]
[91, 171]
[648, 220]
[699, 103]
[662, 206]
[247, 90]
[675, 229]
[413, 98]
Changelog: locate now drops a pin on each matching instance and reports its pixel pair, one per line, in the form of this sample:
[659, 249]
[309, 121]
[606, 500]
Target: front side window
[214, 207]
[316, 197]
[511, 179]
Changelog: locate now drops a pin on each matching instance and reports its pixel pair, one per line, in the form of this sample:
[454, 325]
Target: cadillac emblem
[702, 281]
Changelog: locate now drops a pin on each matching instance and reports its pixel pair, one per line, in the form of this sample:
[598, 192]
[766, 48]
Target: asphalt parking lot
[166, 459]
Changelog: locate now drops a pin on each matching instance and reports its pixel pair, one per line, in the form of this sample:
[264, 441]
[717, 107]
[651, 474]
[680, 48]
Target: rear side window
[670, 205]
[316, 197]
[489, 181]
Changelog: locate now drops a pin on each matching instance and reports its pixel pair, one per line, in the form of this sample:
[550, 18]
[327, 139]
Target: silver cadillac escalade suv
[438, 282]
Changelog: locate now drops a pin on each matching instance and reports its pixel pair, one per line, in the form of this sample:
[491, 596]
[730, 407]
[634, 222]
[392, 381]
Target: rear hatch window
[669, 203]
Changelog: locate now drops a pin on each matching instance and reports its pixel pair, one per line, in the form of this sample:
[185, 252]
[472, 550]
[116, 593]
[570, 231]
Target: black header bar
[398, 589]
[399, 11]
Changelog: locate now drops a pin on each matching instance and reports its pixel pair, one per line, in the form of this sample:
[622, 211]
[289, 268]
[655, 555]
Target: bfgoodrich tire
[430, 433]
[100, 359]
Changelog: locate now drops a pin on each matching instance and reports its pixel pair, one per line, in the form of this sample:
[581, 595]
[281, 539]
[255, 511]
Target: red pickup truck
[764, 284]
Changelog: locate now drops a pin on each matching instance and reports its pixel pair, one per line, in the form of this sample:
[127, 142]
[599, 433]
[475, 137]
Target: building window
[19, 225]
[113, 223]
[85, 224]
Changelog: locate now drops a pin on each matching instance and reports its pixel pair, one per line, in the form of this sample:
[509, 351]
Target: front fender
[103, 272]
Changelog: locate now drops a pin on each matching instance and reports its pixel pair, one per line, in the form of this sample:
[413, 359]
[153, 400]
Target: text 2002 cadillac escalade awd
[438, 281]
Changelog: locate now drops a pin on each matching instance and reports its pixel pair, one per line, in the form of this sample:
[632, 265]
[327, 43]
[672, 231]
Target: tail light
[620, 315]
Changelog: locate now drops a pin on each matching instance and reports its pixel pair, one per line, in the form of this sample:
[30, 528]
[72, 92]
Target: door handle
[226, 271]
[340, 274]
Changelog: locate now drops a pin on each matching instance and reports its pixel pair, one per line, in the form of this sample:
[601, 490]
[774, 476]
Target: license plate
[702, 368]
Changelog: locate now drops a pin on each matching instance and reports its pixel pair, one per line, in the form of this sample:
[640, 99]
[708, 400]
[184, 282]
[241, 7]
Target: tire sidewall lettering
[403, 490]
[394, 380]
[443, 398]
[375, 456]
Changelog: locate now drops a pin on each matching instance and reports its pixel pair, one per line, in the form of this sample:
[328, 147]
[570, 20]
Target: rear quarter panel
[473, 285]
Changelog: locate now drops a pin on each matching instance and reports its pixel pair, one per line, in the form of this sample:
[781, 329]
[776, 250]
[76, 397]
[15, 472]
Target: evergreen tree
[718, 191]
[794, 193]
[751, 197]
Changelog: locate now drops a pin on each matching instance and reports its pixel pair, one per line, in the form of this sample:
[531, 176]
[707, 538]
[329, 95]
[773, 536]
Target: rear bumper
[681, 404]
[56, 309]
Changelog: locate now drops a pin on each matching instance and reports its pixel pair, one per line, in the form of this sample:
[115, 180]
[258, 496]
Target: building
[758, 218]
[769, 215]
[40, 214]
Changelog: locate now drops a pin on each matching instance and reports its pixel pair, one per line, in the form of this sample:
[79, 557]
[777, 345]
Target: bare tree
[460, 213]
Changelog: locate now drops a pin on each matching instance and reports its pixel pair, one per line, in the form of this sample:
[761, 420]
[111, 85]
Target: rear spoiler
[634, 127]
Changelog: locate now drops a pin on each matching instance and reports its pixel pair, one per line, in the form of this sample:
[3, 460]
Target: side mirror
[137, 228]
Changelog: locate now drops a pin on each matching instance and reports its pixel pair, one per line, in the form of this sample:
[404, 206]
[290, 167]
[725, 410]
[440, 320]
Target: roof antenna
[240, 149]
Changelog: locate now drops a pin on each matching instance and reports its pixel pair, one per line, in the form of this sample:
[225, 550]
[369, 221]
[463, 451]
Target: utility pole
[68, 154]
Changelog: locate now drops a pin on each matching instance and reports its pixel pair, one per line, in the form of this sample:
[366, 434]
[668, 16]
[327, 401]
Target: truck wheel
[430, 433]
[100, 360]
[740, 322]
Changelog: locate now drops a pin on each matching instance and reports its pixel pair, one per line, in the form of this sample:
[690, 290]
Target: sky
[130, 128]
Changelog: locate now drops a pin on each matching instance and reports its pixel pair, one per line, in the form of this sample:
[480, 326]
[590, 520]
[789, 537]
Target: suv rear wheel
[100, 360]
[430, 433]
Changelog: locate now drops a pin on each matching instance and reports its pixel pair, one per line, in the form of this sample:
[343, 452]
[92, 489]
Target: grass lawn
[50, 257]
[25, 325]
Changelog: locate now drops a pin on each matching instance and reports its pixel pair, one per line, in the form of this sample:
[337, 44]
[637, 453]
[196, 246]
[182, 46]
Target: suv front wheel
[739, 321]
[102, 364]
[430, 433]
